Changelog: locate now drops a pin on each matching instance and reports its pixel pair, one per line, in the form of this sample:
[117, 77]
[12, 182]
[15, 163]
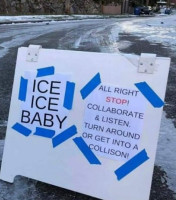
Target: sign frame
[68, 166]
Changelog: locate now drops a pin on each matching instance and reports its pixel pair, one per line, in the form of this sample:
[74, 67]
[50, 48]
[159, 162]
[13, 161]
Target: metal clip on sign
[147, 63]
[33, 53]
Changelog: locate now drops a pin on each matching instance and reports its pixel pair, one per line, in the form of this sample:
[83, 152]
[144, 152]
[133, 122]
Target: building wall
[112, 10]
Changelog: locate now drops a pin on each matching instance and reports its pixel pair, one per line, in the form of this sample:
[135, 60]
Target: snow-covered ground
[161, 29]
[33, 18]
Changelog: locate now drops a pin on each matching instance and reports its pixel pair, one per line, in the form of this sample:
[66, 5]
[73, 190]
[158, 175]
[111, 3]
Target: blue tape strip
[69, 95]
[23, 89]
[86, 151]
[22, 129]
[45, 71]
[44, 132]
[131, 165]
[149, 94]
[90, 86]
[65, 135]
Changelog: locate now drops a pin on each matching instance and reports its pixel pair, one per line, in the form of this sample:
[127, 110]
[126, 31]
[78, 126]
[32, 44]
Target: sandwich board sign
[87, 122]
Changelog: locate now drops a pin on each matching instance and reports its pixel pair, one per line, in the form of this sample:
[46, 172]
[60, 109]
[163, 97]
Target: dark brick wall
[14, 7]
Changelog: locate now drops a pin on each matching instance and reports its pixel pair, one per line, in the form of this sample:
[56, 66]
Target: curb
[66, 19]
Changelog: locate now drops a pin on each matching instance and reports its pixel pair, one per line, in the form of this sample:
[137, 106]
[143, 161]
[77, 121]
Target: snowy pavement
[1, 148]
[158, 30]
[92, 35]
[165, 156]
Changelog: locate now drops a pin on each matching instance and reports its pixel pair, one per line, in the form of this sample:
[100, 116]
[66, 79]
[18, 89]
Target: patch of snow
[3, 123]
[94, 36]
[165, 156]
[22, 188]
[157, 30]
[35, 18]
[77, 42]
[124, 44]
[113, 38]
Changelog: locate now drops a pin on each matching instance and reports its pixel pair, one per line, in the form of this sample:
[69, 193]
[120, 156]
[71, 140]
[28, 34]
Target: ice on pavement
[14, 37]
[1, 148]
[96, 35]
[21, 189]
[165, 156]
[3, 123]
[106, 43]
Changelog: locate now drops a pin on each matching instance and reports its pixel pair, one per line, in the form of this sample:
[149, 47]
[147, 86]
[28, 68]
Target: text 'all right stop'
[113, 121]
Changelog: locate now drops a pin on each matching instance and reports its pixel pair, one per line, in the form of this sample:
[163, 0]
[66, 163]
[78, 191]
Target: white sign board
[88, 122]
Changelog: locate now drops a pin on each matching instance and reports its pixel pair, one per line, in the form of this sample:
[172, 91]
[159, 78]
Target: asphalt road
[91, 35]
